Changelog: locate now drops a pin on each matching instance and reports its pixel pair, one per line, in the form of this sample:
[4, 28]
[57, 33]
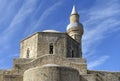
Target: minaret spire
[74, 15]
[74, 10]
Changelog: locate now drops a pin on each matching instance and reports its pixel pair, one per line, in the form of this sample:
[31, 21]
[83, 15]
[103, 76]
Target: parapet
[51, 72]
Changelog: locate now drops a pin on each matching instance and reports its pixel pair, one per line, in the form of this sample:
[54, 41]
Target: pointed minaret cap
[74, 10]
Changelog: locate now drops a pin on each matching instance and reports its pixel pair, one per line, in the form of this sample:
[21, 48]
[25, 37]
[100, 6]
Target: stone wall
[88, 77]
[51, 73]
[21, 60]
[51, 59]
[45, 39]
[8, 75]
[73, 48]
[28, 47]
[13, 78]
[77, 60]
[39, 44]
[1, 77]
[106, 76]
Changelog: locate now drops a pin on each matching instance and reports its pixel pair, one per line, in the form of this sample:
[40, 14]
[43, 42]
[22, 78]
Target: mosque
[51, 55]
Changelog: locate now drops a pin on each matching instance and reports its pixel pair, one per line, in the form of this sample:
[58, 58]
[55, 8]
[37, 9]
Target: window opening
[51, 48]
[28, 52]
[72, 54]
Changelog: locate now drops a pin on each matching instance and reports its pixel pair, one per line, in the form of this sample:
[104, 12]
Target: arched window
[51, 48]
[28, 52]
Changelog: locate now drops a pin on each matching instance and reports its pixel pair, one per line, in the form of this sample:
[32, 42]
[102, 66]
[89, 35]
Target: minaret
[75, 28]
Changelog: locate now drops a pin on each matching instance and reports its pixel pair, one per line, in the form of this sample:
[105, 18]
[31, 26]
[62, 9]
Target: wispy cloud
[102, 21]
[12, 31]
[97, 62]
[25, 10]
[43, 17]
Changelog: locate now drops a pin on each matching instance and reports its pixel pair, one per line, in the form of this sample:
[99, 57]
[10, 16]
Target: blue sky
[101, 20]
